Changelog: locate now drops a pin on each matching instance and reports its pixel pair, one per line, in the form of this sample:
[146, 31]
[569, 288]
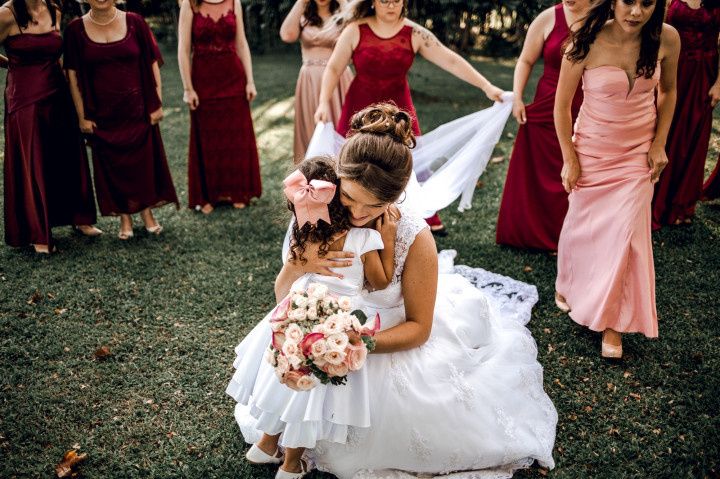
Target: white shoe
[255, 455]
[304, 465]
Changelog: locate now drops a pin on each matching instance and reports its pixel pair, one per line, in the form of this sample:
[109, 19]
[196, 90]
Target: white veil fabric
[447, 161]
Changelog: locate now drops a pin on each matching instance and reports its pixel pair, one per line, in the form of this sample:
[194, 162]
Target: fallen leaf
[102, 352]
[611, 387]
[479, 184]
[35, 298]
[636, 396]
[588, 408]
[69, 462]
[550, 348]
[497, 159]
[527, 269]
[60, 311]
[543, 472]
[546, 330]
[614, 431]
[627, 374]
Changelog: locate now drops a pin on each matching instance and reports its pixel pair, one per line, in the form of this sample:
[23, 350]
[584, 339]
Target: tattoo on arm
[426, 37]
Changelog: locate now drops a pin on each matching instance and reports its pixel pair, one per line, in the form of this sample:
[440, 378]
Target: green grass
[171, 309]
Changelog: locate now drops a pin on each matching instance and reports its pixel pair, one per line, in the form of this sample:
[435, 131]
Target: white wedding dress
[469, 402]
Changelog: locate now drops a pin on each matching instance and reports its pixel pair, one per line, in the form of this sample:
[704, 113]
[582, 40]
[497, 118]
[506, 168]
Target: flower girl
[283, 413]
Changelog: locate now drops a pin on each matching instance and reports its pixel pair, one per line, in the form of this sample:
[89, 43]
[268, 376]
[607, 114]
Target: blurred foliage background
[488, 27]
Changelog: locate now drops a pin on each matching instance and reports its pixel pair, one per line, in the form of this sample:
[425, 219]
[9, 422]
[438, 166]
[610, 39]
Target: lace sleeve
[408, 228]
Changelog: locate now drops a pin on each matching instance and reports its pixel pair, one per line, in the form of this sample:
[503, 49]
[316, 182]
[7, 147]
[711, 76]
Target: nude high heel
[611, 351]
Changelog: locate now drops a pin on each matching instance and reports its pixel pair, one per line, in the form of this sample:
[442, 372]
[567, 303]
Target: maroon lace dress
[534, 202]
[223, 161]
[681, 183]
[381, 68]
[47, 177]
[119, 93]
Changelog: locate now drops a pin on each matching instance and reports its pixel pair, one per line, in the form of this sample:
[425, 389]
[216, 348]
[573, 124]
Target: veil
[447, 161]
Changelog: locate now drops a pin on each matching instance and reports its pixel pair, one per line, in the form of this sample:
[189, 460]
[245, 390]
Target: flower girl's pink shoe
[255, 455]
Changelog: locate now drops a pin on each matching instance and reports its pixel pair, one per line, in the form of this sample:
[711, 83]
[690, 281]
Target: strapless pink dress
[605, 258]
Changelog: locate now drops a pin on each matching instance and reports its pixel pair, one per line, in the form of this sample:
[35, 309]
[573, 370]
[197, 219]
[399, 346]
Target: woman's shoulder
[74, 26]
[669, 36]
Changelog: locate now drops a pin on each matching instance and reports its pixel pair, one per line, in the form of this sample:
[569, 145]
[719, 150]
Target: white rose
[290, 349]
[294, 334]
[319, 328]
[337, 342]
[320, 291]
[298, 314]
[328, 302]
[305, 383]
[334, 357]
[296, 360]
[345, 321]
[312, 313]
[311, 288]
[318, 348]
[344, 303]
[282, 366]
[270, 357]
[332, 324]
[300, 300]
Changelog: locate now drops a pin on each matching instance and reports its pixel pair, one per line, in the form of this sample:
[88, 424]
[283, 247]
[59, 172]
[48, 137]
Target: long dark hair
[312, 17]
[600, 12]
[22, 15]
[319, 168]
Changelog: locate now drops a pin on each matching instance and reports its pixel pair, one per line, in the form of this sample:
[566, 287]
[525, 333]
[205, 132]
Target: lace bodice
[698, 28]
[408, 227]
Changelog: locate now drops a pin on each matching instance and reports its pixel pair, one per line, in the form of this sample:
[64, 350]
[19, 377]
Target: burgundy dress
[47, 177]
[119, 93]
[534, 201]
[381, 68]
[680, 185]
[223, 161]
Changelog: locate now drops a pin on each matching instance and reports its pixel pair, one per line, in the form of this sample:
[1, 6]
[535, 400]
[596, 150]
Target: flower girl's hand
[657, 160]
[386, 224]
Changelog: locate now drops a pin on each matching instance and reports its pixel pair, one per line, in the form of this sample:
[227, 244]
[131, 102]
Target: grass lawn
[170, 310]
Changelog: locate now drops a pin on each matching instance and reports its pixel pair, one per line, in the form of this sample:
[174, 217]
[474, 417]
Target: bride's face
[363, 207]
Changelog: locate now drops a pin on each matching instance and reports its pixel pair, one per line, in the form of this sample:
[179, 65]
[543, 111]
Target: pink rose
[278, 339]
[305, 383]
[294, 333]
[318, 349]
[281, 310]
[334, 357]
[307, 343]
[356, 357]
[337, 369]
[282, 366]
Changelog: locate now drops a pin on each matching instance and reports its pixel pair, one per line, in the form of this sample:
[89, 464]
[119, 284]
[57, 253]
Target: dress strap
[560, 20]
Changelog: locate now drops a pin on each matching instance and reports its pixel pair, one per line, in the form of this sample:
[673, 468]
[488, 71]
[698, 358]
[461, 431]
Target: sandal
[154, 230]
[87, 230]
[125, 235]
[44, 249]
[255, 455]
[305, 468]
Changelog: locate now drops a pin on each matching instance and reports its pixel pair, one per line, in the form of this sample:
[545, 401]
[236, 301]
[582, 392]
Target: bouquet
[316, 335]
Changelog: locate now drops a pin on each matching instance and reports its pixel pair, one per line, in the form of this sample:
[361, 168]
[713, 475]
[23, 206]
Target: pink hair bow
[310, 199]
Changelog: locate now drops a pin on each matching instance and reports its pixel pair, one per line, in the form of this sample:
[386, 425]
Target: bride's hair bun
[384, 119]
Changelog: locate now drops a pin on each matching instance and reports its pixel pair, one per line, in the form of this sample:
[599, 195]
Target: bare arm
[243, 51]
[570, 75]
[431, 49]
[341, 55]
[378, 272]
[532, 49]
[7, 25]
[290, 28]
[185, 52]
[666, 98]
[419, 287]
[714, 92]
[86, 126]
[157, 115]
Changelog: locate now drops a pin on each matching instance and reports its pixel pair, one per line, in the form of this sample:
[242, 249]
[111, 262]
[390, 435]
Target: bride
[453, 385]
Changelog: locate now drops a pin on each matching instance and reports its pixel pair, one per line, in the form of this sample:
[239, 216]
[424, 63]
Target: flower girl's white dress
[471, 399]
[304, 417]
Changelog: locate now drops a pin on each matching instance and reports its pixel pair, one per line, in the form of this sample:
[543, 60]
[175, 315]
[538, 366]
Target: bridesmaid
[308, 21]
[680, 186]
[113, 65]
[382, 42]
[625, 55]
[217, 76]
[534, 202]
[47, 177]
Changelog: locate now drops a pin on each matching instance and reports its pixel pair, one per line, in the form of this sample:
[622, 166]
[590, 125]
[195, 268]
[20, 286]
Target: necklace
[102, 24]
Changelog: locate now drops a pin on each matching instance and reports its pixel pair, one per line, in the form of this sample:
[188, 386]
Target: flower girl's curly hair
[318, 168]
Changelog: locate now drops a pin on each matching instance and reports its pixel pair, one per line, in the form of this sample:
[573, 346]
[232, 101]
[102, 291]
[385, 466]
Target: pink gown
[317, 45]
[605, 257]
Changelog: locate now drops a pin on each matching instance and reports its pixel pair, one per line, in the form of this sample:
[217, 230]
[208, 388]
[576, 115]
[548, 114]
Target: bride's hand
[315, 263]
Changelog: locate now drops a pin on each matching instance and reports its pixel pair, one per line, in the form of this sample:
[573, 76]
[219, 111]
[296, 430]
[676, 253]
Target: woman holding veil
[382, 42]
